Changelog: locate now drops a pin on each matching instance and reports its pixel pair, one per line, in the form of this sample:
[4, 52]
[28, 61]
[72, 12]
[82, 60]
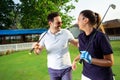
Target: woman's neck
[88, 30]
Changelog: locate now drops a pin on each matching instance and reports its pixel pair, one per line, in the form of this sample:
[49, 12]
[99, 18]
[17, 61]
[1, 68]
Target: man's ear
[49, 22]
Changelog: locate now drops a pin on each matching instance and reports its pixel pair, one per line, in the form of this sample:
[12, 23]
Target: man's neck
[54, 31]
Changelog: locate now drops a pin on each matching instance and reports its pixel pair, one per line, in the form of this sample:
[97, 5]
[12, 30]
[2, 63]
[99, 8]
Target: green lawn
[22, 66]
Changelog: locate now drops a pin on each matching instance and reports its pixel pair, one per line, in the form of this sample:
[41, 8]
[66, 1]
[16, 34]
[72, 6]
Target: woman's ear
[86, 20]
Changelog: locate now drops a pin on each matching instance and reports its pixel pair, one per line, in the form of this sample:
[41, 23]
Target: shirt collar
[93, 31]
[55, 33]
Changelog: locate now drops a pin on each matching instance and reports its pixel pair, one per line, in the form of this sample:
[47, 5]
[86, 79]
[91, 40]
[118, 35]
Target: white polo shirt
[57, 48]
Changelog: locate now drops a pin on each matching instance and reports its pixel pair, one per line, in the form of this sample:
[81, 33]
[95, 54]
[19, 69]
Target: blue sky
[99, 6]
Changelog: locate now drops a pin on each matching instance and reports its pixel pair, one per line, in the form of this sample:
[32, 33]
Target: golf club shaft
[38, 42]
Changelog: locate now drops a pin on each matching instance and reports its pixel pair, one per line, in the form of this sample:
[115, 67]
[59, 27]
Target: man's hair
[51, 16]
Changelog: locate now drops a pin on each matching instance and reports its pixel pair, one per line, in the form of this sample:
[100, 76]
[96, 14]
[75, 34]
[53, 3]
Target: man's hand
[37, 48]
[86, 56]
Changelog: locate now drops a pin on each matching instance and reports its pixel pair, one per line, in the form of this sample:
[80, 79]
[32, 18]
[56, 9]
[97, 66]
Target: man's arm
[74, 42]
[108, 61]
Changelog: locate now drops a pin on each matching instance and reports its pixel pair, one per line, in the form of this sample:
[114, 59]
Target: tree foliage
[6, 7]
[35, 12]
[31, 14]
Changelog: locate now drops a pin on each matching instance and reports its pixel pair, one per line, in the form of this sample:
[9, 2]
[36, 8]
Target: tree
[16, 16]
[34, 12]
[6, 7]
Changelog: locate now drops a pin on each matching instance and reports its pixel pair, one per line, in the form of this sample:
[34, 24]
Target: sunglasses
[58, 23]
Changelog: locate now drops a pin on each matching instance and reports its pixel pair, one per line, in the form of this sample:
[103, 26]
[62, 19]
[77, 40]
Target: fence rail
[15, 47]
[114, 37]
[25, 46]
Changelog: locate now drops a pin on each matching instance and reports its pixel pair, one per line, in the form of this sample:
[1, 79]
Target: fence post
[16, 47]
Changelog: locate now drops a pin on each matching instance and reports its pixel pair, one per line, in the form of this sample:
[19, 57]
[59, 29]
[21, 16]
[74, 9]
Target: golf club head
[113, 6]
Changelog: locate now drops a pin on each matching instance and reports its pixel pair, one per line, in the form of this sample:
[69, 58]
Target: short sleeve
[42, 39]
[105, 45]
[70, 35]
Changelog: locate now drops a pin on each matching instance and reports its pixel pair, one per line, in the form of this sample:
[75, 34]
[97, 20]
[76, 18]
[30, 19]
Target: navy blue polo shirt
[99, 47]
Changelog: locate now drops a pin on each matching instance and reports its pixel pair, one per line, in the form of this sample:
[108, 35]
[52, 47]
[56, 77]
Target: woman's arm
[108, 61]
[77, 58]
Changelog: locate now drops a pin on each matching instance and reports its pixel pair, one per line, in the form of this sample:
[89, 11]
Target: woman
[98, 58]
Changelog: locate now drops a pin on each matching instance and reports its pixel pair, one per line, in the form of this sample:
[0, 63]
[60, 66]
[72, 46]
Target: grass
[22, 66]
[116, 66]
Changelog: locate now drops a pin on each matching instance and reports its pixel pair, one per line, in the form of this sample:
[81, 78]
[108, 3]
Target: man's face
[57, 23]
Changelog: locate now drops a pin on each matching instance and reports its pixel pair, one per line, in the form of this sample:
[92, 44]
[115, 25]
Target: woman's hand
[74, 65]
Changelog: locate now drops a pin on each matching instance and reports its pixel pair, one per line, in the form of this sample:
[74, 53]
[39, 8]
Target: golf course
[19, 65]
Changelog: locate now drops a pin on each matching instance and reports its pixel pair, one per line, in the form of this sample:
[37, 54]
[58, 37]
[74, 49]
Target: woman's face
[81, 21]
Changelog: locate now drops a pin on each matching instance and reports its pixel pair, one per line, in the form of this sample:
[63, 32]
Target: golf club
[37, 42]
[113, 6]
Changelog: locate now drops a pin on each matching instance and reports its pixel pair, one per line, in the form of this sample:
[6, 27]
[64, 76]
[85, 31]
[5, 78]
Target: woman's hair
[51, 16]
[93, 17]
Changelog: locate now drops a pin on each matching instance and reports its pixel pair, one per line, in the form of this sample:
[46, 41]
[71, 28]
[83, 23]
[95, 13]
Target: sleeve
[70, 35]
[42, 39]
[105, 45]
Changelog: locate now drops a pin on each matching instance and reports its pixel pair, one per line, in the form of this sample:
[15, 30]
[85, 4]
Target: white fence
[114, 37]
[16, 47]
[25, 46]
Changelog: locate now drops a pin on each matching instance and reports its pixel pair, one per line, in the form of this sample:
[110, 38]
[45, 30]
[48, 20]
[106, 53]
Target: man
[56, 43]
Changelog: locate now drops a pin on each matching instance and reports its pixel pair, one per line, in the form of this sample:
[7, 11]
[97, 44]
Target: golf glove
[85, 56]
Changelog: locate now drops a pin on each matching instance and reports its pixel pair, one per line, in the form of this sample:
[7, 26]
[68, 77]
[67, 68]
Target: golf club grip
[37, 42]
[81, 60]
[32, 50]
